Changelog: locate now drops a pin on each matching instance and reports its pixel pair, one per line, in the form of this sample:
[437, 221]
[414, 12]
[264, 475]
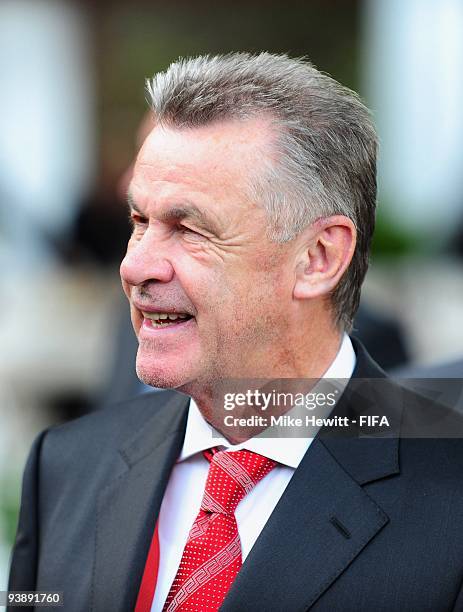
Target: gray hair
[326, 141]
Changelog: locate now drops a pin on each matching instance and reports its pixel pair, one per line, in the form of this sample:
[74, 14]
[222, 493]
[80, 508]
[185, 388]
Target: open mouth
[164, 319]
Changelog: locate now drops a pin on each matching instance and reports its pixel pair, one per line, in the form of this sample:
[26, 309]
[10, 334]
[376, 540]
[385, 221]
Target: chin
[163, 378]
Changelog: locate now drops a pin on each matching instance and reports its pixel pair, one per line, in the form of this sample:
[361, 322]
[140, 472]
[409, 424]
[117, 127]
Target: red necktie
[212, 555]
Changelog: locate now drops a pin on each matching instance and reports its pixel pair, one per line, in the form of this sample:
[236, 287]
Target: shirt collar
[199, 435]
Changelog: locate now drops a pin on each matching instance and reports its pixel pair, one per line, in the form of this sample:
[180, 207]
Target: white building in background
[413, 67]
[47, 160]
[47, 152]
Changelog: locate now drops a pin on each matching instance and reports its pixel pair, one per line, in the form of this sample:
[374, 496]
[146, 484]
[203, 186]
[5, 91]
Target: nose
[146, 260]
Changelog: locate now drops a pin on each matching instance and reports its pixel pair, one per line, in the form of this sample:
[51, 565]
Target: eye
[137, 221]
[189, 234]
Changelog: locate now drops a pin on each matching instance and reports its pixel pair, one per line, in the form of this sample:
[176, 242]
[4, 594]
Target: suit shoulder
[111, 425]
[432, 438]
[449, 369]
[87, 453]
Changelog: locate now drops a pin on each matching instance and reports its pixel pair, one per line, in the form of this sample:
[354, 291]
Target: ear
[326, 250]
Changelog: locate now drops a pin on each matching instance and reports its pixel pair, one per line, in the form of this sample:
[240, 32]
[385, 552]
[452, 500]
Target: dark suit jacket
[442, 382]
[382, 335]
[365, 523]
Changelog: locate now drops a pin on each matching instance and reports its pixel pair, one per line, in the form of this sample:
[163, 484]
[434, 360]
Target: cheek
[256, 306]
[270, 289]
[269, 299]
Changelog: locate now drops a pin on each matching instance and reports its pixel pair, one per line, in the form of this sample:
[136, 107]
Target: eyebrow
[131, 204]
[178, 213]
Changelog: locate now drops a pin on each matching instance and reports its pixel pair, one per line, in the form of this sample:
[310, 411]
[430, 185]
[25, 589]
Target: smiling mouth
[164, 319]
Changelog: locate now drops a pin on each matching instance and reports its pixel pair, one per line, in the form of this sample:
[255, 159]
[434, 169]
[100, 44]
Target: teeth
[163, 316]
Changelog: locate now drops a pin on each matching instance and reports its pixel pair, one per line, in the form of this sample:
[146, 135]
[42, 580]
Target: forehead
[216, 157]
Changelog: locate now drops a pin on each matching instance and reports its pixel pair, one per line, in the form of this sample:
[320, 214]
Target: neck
[290, 362]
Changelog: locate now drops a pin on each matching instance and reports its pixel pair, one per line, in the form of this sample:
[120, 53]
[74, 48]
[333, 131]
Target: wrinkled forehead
[226, 152]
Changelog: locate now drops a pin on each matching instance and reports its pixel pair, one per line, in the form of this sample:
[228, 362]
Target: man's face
[199, 250]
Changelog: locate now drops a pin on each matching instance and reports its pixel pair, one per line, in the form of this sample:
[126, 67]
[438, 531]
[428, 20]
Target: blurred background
[72, 102]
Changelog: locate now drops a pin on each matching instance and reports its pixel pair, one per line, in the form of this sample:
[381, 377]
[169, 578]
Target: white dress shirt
[184, 492]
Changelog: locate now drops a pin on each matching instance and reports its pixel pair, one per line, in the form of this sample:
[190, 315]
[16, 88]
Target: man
[252, 203]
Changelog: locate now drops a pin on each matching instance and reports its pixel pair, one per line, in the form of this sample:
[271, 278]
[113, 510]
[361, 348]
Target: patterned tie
[212, 555]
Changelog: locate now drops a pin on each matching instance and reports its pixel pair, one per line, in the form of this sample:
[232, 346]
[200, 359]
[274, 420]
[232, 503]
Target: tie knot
[231, 476]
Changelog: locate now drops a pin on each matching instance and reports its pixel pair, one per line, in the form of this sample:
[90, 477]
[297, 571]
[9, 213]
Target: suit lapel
[129, 506]
[321, 523]
[325, 518]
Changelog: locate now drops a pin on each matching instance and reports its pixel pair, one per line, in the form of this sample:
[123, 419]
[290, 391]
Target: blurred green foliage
[9, 508]
[392, 240]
